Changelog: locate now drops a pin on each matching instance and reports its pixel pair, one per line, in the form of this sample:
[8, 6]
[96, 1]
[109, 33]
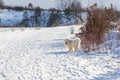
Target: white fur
[72, 44]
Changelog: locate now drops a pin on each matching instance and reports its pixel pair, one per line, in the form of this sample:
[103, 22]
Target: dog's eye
[65, 42]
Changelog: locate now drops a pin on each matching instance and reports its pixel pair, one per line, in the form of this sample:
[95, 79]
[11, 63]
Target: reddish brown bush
[98, 23]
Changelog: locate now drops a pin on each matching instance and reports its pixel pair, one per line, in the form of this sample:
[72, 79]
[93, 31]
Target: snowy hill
[15, 18]
[10, 17]
[41, 55]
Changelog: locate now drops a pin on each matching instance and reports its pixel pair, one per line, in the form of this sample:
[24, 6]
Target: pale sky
[42, 3]
[46, 4]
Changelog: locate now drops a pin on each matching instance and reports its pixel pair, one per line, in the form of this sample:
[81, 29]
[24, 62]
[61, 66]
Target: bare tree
[76, 7]
[30, 5]
[1, 3]
[69, 6]
[37, 15]
[63, 4]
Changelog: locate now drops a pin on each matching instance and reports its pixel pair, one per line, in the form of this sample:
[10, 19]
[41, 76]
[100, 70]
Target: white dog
[72, 44]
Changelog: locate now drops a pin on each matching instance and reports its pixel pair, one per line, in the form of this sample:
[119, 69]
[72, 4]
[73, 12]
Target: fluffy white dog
[73, 44]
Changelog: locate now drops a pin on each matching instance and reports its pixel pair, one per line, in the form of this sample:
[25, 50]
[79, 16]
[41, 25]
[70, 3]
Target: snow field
[41, 55]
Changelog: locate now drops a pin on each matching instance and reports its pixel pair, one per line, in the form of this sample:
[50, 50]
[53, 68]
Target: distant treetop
[30, 5]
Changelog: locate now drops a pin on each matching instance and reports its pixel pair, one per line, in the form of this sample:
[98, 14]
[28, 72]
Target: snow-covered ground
[35, 54]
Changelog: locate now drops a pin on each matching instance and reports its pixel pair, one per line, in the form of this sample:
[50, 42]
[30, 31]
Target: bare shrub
[37, 28]
[12, 29]
[98, 23]
[22, 28]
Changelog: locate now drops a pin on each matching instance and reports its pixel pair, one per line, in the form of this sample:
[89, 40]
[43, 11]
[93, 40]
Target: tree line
[68, 7]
